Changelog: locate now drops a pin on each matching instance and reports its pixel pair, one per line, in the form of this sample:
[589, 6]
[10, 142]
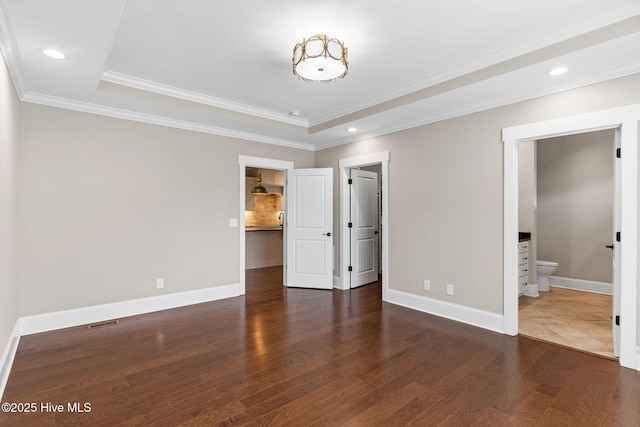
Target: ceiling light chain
[320, 59]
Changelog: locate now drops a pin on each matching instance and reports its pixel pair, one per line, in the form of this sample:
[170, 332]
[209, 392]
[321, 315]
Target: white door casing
[364, 227]
[344, 165]
[309, 226]
[615, 325]
[258, 162]
[625, 120]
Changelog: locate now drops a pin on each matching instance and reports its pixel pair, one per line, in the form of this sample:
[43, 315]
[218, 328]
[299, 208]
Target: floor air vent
[103, 324]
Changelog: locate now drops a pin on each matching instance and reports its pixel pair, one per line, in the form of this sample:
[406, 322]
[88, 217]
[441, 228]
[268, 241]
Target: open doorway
[364, 225]
[373, 252]
[566, 219]
[246, 184]
[625, 122]
[307, 226]
[264, 218]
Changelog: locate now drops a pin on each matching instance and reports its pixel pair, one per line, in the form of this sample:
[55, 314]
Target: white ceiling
[225, 67]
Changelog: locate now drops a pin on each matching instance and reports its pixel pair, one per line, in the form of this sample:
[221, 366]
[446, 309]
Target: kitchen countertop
[263, 228]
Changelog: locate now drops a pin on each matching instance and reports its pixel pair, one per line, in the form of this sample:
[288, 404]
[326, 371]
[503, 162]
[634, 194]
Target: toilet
[544, 269]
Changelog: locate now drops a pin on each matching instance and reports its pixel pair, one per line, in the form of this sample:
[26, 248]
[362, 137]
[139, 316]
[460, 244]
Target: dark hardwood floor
[300, 357]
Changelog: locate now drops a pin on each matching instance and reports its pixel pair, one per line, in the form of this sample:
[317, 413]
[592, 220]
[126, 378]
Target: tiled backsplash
[266, 213]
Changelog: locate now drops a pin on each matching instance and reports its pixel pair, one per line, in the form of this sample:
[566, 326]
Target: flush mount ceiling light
[320, 59]
[53, 53]
[352, 129]
[558, 71]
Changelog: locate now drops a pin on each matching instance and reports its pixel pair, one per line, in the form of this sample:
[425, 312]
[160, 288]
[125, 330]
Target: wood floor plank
[554, 418]
[592, 408]
[624, 406]
[568, 399]
[298, 357]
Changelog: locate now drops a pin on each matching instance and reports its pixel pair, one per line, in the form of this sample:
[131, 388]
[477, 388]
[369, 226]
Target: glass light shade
[320, 59]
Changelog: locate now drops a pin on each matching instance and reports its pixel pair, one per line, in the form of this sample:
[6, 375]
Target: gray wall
[527, 199]
[575, 183]
[445, 193]
[8, 206]
[526, 186]
[107, 206]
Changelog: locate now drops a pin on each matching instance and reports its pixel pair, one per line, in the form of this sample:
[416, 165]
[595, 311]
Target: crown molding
[52, 101]
[199, 98]
[632, 67]
[629, 68]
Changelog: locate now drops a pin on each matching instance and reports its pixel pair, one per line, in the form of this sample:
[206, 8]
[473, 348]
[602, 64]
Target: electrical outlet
[449, 289]
[233, 222]
[427, 285]
[160, 283]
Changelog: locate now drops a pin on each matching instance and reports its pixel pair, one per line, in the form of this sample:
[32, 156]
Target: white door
[309, 228]
[364, 227]
[616, 248]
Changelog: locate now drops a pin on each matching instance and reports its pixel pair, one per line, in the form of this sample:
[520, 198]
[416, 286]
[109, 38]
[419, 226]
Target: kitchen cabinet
[272, 177]
[249, 199]
[263, 248]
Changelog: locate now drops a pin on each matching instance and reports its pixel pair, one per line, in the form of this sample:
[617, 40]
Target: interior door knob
[326, 234]
[610, 246]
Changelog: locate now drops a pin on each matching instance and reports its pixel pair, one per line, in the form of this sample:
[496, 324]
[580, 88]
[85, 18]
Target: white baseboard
[337, 283]
[581, 285]
[532, 290]
[471, 316]
[9, 353]
[264, 264]
[99, 313]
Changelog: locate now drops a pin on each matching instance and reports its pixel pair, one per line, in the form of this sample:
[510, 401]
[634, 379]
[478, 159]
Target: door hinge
[350, 268]
[350, 181]
[617, 236]
[350, 225]
[617, 320]
[618, 152]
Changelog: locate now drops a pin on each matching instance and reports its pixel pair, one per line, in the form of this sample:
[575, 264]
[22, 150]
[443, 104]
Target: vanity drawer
[523, 270]
[523, 258]
[523, 280]
[523, 246]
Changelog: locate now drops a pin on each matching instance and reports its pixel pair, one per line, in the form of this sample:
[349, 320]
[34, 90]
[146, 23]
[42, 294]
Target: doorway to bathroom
[624, 120]
[566, 207]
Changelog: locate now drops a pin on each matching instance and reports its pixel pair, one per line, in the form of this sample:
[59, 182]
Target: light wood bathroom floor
[576, 319]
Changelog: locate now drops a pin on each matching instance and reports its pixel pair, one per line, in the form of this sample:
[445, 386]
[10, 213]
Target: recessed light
[558, 71]
[53, 53]
[352, 130]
